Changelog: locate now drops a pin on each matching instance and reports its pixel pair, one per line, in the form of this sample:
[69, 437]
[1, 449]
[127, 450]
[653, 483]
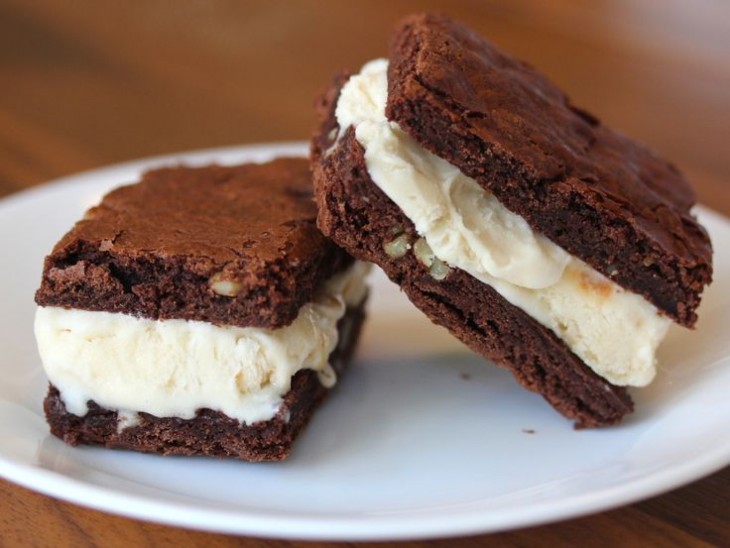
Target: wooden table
[88, 83]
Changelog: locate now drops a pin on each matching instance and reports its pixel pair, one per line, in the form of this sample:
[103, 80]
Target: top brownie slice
[597, 194]
[229, 245]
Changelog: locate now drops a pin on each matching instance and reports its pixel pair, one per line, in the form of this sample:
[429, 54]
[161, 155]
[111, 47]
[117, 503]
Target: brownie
[231, 246]
[157, 248]
[598, 195]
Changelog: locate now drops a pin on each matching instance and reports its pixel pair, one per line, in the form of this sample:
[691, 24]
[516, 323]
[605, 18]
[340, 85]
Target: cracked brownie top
[233, 245]
[601, 196]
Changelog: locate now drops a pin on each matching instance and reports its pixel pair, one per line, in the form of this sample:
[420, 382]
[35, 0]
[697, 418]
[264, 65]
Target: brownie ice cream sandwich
[197, 312]
[544, 240]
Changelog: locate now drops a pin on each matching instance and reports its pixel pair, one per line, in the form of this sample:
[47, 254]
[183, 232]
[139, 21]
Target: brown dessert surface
[234, 245]
[598, 194]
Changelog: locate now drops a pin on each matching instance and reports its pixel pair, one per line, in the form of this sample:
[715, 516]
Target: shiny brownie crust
[154, 249]
[601, 196]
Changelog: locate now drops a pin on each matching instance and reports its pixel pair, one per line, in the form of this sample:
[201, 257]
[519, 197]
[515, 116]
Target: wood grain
[87, 83]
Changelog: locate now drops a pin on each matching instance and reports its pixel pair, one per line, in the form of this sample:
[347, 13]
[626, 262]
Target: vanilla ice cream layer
[615, 332]
[171, 368]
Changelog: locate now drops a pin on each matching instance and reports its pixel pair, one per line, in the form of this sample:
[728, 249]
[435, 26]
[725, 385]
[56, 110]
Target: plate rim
[353, 528]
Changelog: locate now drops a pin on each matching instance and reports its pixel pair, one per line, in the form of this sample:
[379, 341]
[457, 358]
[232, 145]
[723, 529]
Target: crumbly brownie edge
[358, 216]
[210, 433]
[83, 276]
[631, 251]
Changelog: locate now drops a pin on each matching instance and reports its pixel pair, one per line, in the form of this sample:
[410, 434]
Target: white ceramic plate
[421, 438]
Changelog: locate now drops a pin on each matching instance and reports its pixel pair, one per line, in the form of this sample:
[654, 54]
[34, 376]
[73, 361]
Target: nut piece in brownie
[197, 312]
[544, 240]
